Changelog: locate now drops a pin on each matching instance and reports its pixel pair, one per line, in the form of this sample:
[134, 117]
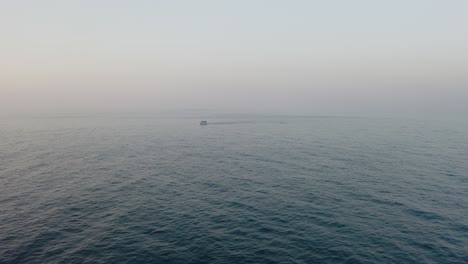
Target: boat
[203, 123]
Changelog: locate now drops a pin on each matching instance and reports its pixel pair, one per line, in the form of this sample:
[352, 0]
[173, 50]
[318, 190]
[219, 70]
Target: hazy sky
[308, 57]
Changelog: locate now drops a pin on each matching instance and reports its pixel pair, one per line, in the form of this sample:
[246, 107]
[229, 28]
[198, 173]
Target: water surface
[162, 189]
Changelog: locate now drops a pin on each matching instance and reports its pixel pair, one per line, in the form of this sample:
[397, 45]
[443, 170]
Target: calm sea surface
[159, 189]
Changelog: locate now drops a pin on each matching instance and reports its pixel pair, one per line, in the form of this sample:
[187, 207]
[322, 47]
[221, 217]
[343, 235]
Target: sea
[160, 188]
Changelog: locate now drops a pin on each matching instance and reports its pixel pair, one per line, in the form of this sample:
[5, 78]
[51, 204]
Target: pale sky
[304, 57]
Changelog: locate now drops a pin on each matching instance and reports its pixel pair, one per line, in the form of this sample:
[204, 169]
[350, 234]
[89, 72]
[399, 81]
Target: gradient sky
[301, 57]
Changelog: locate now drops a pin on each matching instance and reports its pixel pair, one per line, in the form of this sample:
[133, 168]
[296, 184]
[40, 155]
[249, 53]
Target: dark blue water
[152, 189]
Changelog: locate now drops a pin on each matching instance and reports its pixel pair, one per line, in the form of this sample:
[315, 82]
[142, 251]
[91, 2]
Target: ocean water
[246, 189]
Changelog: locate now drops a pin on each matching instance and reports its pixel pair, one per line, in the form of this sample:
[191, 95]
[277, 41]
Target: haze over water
[337, 131]
[297, 57]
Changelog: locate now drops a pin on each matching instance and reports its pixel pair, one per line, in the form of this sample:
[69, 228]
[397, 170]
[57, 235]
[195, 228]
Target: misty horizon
[243, 132]
[303, 57]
